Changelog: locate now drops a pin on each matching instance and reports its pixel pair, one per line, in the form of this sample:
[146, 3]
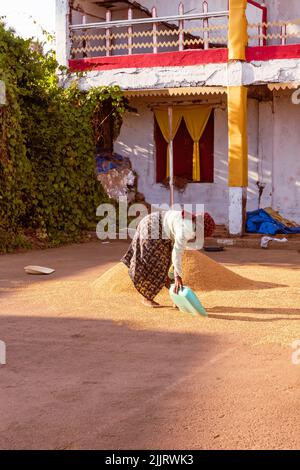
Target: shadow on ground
[72, 384]
[72, 262]
[289, 312]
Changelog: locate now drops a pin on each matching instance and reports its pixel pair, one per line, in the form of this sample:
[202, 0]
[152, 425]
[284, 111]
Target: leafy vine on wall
[47, 146]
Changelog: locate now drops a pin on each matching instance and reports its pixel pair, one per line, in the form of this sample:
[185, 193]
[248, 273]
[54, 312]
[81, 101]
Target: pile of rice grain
[200, 273]
[204, 274]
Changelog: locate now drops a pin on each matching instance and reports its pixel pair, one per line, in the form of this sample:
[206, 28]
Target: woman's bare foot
[150, 303]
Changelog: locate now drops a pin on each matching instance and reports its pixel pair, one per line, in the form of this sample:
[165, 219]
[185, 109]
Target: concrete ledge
[253, 241]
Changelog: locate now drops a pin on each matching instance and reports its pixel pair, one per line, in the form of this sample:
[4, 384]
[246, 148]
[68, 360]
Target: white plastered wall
[136, 141]
[286, 161]
[276, 165]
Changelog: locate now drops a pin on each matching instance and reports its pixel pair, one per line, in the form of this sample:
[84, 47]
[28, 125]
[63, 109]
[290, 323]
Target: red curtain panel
[183, 153]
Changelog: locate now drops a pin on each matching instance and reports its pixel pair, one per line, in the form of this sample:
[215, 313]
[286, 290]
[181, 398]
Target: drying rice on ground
[268, 311]
[78, 349]
[200, 273]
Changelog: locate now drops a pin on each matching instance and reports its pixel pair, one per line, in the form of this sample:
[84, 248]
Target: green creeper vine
[48, 185]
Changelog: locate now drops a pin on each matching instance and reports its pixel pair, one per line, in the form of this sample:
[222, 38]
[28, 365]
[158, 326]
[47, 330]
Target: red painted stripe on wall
[184, 58]
[264, 53]
[163, 59]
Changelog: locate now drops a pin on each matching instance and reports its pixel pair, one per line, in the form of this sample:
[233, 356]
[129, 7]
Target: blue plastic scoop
[187, 301]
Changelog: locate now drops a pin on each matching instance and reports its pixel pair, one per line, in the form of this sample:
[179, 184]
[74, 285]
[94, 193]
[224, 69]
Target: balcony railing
[152, 34]
[274, 33]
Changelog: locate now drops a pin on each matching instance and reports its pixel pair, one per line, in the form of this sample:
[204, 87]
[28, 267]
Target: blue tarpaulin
[105, 163]
[261, 222]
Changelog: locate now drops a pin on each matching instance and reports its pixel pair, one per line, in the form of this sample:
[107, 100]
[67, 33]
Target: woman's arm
[177, 254]
[184, 232]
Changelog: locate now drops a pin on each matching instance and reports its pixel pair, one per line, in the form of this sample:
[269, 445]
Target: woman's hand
[178, 284]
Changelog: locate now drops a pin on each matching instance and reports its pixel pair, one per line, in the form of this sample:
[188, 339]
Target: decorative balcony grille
[275, 33]
[151, 34]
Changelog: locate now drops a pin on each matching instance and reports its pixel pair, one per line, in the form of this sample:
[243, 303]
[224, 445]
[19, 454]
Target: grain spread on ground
[118, 372]
[200, 273]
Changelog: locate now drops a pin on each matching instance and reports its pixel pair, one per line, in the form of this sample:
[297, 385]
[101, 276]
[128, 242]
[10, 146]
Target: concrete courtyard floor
[87, 371]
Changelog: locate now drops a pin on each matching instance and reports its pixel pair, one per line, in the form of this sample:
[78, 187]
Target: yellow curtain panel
[237, 31]
[196, 118]
[238, 136]
[163, 122]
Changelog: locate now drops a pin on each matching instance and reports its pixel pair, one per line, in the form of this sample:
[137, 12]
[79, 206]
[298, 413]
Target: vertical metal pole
[130, 31]
[181, 27]
[84, 42]
[107, 34]
[260, 38]
[154, 29]
[264, 29]
[283, 35]
[171, 156]
[205, 26]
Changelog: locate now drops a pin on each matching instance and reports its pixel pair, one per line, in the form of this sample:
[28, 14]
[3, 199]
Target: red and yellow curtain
[163, 122]
[196, 118]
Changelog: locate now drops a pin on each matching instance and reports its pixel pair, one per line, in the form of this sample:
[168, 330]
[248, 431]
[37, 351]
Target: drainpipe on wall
[237, 117]
[62, 23]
